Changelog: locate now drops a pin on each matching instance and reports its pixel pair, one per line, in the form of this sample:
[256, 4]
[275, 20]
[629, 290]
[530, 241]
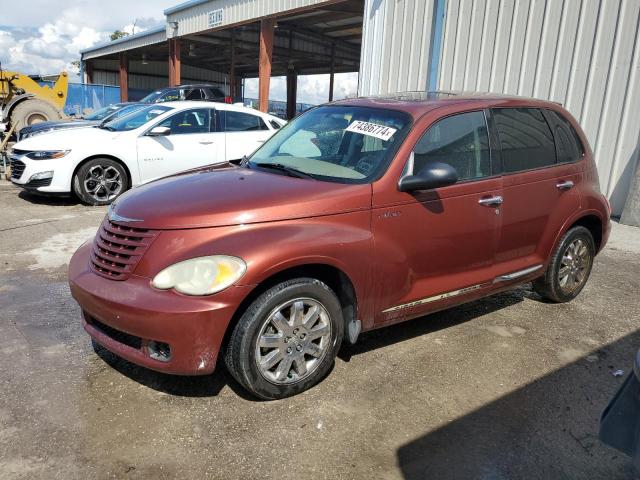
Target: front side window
[461, 141]
[196, 120]
[525, 138]
[243, 122]
[136, 119]
[345, 144]
[195, 94]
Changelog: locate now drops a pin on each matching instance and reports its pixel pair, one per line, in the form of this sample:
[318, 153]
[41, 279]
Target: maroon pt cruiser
[357, 215]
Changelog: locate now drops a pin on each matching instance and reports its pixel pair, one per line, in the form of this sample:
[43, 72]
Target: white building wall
[396, 42]
[584, 54]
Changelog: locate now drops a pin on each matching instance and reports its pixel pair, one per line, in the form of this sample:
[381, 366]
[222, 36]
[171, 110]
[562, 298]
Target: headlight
[201, 276]
[47, 154]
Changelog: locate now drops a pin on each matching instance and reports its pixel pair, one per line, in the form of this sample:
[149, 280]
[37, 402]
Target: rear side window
[568, 145]
[525, 138]
[243, 122]
[461, 141]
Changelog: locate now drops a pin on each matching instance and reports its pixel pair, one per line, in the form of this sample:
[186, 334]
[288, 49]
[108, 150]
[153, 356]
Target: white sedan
[100, 163]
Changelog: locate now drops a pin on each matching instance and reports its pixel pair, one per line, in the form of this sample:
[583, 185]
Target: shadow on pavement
[547, 429]
[52, 200]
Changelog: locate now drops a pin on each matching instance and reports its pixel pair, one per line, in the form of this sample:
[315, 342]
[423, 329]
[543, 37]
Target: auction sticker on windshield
[372, 129]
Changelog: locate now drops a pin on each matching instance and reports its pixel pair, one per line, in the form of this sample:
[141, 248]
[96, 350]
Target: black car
[188, 92]
[620, 423]
[98, 117]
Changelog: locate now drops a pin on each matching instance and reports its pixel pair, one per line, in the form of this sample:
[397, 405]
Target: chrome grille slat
[17, 168]
[117, 249]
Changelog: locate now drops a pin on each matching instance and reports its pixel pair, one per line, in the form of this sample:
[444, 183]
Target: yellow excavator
[24, 102]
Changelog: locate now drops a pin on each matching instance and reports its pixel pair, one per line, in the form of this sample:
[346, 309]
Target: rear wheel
[100, 181]
[287, 340]
[569, 268]
[32, 111]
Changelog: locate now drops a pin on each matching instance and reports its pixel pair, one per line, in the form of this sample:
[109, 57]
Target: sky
[45, 36]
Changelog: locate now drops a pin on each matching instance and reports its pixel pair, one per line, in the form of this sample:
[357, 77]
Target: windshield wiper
[106, 127]
[283, 168]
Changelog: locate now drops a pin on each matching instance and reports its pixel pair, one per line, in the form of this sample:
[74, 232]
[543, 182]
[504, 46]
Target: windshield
[136, 119]
[170, 95]
[122, 112]
[103, 113]
[345, 144]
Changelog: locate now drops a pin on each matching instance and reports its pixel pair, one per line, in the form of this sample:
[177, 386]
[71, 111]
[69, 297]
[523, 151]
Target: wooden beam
[174, 62]
[88, 70]
[124, 77]
[267, 27]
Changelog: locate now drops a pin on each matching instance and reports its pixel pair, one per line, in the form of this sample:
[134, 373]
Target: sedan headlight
[201, 276]
[47, 154]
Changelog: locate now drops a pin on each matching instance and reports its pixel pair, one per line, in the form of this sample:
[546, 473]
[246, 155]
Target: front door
[192, 142]
[437, 247]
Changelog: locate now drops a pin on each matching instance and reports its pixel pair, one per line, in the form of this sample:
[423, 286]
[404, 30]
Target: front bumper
[135, 315]
[22, 176]
[620, 423]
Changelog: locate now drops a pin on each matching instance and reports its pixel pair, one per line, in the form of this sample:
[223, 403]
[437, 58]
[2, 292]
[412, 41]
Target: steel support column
[333, 71]
[88, 71]
[266, 56]
[124, 77]
[292, 93]
[174, 62]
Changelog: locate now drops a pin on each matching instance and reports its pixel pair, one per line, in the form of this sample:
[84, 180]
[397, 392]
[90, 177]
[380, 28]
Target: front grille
[38, 183]
[17, 168]
[115, 334]
[118, 248]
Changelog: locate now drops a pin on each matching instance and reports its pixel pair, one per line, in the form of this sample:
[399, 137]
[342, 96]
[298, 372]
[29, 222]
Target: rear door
[245, 133]
[538, 189]
[437, 246]
[193, 142]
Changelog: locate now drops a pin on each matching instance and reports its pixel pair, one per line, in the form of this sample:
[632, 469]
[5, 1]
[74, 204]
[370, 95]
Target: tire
[301, 366]
[100, 181]
[557, 286]
[32, 111]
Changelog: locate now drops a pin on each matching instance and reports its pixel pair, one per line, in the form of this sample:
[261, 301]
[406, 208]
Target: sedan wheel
[574, 266]
[100, 181]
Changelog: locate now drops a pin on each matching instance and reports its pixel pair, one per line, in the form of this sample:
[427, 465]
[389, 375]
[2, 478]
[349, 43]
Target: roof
[183, 6]
[127, 38]
[420, 102]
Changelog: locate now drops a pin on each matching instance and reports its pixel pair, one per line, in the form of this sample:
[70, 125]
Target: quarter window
[243, 122]
[568, 145]
[461, 141]
[525, 138]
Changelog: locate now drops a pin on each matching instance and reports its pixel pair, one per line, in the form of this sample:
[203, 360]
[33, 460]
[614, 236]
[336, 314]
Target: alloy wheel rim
[293, 340]
[103, 183]
[574, 266]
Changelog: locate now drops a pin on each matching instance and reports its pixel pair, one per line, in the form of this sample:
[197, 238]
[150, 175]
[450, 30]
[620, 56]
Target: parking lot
[506, 387]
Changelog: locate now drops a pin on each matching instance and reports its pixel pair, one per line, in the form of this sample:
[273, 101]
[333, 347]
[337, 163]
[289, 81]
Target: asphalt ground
[503, 388]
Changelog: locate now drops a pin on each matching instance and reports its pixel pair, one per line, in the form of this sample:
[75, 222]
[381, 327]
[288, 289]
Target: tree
[117, 34]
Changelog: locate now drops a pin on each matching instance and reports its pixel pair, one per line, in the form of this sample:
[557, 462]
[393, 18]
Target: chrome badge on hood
[114, 217]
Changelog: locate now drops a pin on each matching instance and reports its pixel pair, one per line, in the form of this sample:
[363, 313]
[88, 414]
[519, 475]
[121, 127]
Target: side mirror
[434, 175]
[159, 132]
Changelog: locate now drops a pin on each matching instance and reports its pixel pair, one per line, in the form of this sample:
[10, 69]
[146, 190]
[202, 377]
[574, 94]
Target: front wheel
[569, 268]
[100, 181]
[287, 339]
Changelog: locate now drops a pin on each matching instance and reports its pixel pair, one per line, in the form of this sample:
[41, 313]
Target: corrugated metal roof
[148, 37]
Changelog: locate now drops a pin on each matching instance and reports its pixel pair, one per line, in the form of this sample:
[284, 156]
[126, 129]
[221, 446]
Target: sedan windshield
[103, 113]
[136, 119]
[345, 144]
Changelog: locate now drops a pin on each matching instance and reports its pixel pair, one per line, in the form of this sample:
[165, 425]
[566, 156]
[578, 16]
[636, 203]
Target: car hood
[66, 139]
[37, 127]
[224, 196]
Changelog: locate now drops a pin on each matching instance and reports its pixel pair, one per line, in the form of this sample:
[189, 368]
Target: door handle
[566, 185]
[491, 201]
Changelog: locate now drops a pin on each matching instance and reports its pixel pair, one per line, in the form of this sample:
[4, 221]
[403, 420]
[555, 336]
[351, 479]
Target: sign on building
[215, 18]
